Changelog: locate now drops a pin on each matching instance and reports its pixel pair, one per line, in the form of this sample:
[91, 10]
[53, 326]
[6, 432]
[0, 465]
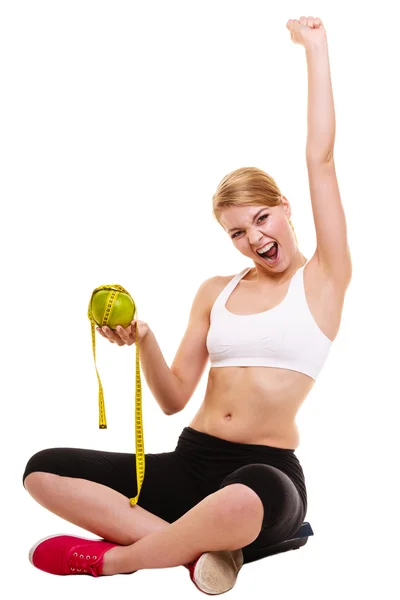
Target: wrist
[316, 46]
[148, 336]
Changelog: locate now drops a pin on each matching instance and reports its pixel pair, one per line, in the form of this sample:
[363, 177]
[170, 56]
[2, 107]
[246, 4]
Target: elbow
[173, 410]
[320, 156]
[169, 412]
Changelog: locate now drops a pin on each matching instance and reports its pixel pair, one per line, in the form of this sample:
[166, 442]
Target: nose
[255, 237]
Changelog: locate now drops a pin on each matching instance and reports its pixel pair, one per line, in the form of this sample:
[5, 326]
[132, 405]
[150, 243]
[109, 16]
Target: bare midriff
[253, 405]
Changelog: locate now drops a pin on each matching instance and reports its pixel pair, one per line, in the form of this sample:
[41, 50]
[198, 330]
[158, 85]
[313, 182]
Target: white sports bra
[285, 336]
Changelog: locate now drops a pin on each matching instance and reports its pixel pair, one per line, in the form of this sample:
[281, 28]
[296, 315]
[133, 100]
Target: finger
[126, 335]
[123, 333]
[294, 26]
[112, 336]
[106, 338]
[134, 328]
[101, 332]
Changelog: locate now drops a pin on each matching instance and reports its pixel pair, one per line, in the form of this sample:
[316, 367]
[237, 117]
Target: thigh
[112, 469]
[283, 508]
[165, 486]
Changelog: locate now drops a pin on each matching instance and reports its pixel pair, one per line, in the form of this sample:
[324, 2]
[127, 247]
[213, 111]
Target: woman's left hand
[306, 30]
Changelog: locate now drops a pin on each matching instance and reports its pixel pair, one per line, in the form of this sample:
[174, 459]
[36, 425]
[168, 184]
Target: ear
[286, 207]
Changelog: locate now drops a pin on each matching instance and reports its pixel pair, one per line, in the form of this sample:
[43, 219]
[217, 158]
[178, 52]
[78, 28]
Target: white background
[118, 121]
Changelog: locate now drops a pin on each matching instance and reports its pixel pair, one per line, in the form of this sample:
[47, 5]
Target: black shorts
[201, 464]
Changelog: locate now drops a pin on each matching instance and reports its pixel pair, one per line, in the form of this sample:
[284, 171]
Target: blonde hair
[247, 186]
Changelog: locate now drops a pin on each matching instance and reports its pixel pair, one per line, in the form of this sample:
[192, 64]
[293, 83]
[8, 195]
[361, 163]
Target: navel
[228, 417]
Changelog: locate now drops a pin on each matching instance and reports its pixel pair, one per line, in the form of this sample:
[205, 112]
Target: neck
[263, 275]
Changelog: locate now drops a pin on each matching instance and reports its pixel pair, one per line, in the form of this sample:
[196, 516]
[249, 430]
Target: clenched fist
[306, 30]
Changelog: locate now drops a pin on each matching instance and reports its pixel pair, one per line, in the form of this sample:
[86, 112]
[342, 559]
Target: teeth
[265, 248]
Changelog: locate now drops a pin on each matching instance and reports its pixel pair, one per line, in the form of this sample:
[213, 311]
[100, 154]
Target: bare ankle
[111, 562]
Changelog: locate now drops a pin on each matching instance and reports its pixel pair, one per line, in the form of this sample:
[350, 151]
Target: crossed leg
[228, 519]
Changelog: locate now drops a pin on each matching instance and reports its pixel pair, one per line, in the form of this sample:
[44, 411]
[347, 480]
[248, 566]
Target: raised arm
[330, 223]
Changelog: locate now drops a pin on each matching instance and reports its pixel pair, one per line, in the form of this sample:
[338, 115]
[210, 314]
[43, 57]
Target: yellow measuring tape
[114, 291]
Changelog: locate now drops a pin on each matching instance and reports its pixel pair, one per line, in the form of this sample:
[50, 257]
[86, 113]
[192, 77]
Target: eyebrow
[254, 218]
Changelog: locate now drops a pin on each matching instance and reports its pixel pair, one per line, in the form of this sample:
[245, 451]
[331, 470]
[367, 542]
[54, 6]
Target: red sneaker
[216, 572]
[69, 555]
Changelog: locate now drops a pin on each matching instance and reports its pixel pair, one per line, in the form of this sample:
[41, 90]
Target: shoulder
[214, 285]
[210, 289]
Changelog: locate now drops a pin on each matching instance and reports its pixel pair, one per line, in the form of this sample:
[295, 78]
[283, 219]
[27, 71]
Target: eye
[265, 216]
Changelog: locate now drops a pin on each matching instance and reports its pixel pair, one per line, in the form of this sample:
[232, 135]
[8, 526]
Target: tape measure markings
[114, 291]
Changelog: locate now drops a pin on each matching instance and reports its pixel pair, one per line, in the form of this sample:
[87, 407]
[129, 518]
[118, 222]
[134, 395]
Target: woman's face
[253, 228]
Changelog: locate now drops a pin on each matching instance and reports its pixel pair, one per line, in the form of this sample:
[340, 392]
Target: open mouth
[271, 255]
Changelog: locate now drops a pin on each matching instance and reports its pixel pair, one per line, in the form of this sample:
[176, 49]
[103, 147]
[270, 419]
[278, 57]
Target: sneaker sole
[216, 572]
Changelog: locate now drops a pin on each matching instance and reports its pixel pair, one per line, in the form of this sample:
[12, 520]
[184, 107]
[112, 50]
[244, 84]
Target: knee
[38, 481]
[38, 469]
[241, 508]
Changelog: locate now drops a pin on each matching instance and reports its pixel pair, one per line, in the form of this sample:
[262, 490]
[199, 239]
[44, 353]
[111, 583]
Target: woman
[233, 483]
